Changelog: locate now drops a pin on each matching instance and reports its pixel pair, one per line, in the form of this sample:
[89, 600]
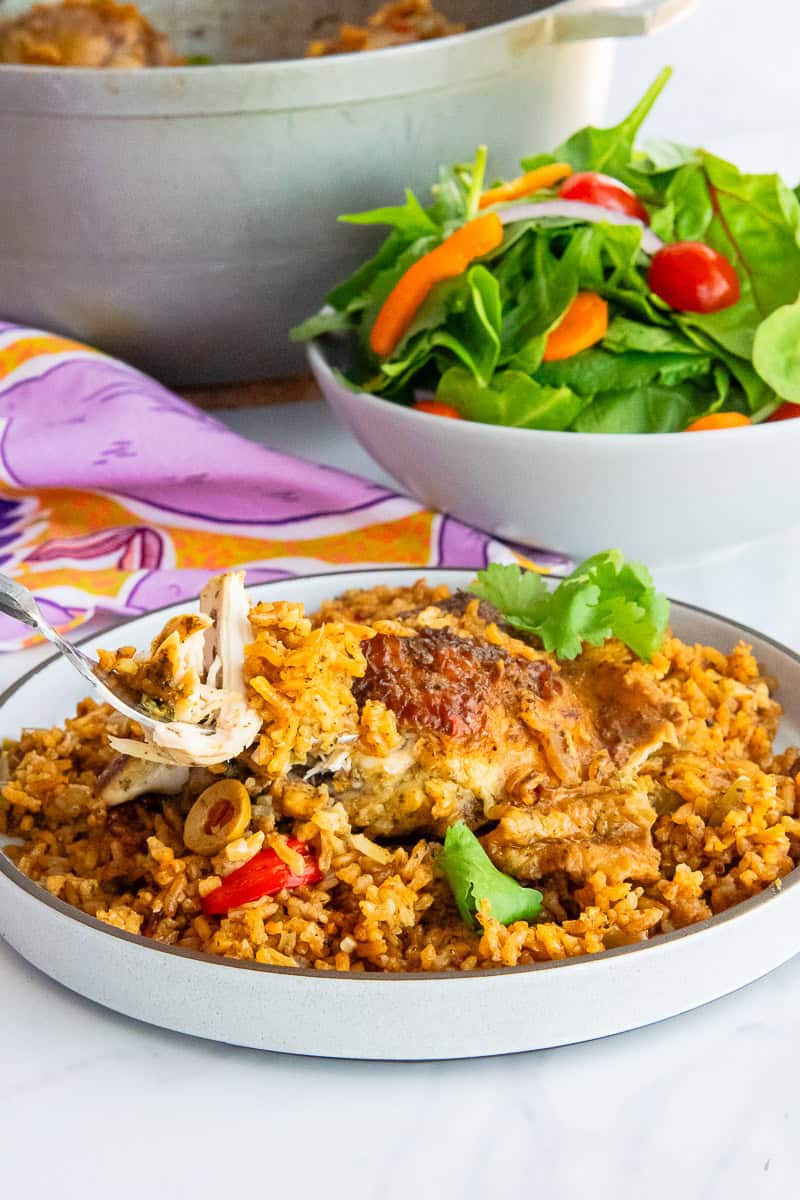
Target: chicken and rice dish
[405, 781]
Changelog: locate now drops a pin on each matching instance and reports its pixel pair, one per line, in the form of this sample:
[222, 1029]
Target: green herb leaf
[515, 592]
[473, 878]
[604, 597]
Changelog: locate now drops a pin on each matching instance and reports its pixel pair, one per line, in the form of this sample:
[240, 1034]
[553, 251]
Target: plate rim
[780, 887]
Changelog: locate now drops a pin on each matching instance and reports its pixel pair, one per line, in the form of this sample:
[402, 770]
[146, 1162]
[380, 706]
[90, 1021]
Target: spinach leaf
[610, 150]
[776, 351]
[649, 408]
[513, 398]
[597, 370]
[624, 334]
[474, 335]
[356, 288]
[754, 220]
[549, 287]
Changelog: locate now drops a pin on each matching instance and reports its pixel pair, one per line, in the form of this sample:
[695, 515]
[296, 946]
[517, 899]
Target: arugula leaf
[776, 351]
[473, 877]
[326, 321]
[410, 218]
[604, 597]
[450, 195]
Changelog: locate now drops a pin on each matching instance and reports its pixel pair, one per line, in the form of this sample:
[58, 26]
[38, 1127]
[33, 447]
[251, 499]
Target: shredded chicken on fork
[201, 662]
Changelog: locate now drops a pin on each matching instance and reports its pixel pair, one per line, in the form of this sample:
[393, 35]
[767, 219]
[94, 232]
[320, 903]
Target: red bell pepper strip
[263, 875]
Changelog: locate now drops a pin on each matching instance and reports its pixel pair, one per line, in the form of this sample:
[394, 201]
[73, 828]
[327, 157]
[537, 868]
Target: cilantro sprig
[604, 597]
[473, 877]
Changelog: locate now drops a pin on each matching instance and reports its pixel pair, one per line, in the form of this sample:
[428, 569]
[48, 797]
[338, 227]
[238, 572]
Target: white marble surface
[704, 1105]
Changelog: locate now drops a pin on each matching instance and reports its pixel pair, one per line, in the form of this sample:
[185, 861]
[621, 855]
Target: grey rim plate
[393, 1016]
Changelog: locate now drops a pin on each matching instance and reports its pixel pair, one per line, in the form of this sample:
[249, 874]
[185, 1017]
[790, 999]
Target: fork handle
[17, 602]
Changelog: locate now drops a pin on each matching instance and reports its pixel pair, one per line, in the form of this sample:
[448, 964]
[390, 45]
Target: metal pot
[184, 218]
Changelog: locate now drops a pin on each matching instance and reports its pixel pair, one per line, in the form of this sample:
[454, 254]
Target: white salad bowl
[661, 497]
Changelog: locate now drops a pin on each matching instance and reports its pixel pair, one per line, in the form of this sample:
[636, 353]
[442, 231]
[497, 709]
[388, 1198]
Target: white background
[703, 1106]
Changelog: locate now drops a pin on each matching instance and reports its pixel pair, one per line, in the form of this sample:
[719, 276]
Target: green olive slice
[219, 815]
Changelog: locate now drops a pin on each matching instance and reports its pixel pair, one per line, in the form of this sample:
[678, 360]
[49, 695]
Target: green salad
[608, 289]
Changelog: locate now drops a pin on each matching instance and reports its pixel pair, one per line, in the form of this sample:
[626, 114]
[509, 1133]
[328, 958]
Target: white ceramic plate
[431, 1016]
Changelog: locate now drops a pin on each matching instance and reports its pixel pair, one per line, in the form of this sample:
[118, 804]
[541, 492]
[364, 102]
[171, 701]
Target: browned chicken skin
[446, 683]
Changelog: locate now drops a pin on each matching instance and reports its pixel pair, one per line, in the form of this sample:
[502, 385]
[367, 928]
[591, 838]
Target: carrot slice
[584, 323]
[447, 261]
[718, 420]
[525, 185]
[437, 409]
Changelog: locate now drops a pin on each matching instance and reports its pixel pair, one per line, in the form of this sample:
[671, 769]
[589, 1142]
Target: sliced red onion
[578, 210]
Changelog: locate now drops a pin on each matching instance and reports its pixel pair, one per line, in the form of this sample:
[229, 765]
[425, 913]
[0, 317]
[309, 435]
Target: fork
[17, 602]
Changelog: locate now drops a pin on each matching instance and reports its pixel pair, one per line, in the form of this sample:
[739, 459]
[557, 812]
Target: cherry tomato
[437, 409]
[692, 277]
[593, 188]
[785, 412]
[718, 420]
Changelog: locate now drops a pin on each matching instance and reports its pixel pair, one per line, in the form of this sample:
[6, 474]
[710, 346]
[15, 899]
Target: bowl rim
[323, 370]
[662, 943]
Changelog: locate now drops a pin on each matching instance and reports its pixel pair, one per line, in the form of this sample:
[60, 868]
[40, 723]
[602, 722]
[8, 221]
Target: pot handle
[625, 20]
